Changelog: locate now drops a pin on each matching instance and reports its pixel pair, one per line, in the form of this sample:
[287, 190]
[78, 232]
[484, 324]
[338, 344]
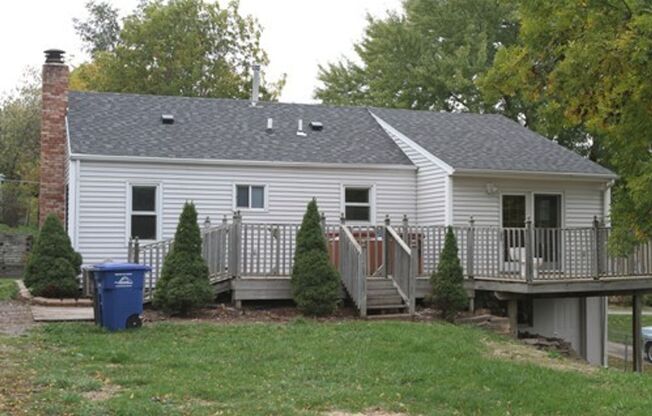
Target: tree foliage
[53, 265]
[586, 65]
[315, 282]
[448, 293]
[20, 132]
[101, 31]
[180, 47]
[426, 58]
[184, 283]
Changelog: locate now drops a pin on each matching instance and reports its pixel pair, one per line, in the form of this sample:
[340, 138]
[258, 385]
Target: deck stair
[384, 297]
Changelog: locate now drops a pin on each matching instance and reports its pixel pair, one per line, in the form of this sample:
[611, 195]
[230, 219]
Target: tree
[184, 283]
[427, 58]
[53, 265]
[20, 131]
[181, 47]
[585, 65]
[101, 31]
[315, 282]
[448, 293]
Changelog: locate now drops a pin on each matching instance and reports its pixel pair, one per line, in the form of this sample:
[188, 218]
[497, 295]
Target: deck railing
[530, 254]
[353, 268]
[401, 266]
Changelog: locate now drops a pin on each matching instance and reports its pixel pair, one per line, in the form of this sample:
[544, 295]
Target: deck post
[512, 313]
[637, 350]
[362, 279]
[130, 250]
[412, 278]
[235, 245]
[529, 253]
[136, 250]
[386, 247]
[470, 245]
[595, 264]
[406, 225]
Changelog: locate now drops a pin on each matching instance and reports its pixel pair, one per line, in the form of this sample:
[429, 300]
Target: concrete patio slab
[61, 313]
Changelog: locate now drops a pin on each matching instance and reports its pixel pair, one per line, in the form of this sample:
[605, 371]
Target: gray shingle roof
[128, 124]
[486, 142]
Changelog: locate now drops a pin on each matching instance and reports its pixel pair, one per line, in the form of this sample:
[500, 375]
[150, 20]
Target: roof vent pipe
[256, 85]
[270, 125]
[300, 131]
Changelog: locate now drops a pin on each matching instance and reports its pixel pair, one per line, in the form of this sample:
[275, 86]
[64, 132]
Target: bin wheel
[134, 321]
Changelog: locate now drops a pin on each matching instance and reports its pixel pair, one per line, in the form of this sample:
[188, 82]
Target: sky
[298, 35]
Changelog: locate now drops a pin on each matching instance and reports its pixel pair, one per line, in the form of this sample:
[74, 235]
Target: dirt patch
[106, 392]
[371, 412]
[253, 313]
[531, 355]
[15, 317]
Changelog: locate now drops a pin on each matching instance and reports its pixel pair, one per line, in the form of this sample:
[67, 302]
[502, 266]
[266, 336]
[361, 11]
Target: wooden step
[391, 316]
[373, 292]
[377, 283]
[385, 301]
[388, 306]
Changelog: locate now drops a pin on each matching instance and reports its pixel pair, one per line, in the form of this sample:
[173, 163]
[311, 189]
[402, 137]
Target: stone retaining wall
[14, 249]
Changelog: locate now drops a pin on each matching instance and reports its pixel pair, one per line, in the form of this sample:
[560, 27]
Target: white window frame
[158, 211]
[251, 185]
[371, 204]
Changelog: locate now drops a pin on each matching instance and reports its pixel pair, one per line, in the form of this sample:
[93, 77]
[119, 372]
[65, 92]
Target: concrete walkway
[61, 313]
[618, 350]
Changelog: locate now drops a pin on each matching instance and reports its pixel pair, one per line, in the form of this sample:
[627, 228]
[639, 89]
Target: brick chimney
[54, 147]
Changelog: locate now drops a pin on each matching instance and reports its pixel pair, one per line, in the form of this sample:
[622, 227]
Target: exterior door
[547, 224]
[514, 211]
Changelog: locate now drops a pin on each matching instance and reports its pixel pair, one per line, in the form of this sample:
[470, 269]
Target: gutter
[524, 174]
[226, 162]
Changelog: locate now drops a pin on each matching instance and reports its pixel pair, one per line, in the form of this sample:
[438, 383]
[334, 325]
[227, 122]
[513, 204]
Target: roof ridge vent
[167, 119]
[300, 131]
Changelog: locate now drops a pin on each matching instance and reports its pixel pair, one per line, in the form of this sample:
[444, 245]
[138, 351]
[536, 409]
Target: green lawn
[21, 229]
[620, 327]
[298, 368]
[8, 289]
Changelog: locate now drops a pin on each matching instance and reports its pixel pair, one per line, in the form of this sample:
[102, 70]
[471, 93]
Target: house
[120, 166]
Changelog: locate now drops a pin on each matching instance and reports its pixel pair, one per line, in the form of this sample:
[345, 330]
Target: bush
[315, 282]
[448, 293]
[184, 283]
[53, 266]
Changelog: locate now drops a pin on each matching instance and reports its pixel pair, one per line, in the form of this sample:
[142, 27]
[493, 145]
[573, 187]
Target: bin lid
[115, 267]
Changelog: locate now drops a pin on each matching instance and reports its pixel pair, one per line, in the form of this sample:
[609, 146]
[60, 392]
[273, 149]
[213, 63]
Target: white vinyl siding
[431, 185]
[581, 201]
[103, 188]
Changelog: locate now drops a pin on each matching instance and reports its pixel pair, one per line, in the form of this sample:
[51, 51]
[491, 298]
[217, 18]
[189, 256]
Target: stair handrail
[403, 268]
[353, 268]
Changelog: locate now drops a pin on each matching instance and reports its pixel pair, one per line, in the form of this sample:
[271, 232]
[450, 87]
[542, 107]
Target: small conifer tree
[53, 266]
[315, 282]
[184, 283]
[448, 294]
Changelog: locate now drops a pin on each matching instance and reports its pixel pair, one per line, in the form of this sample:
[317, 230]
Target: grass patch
[8, 289]
[620, 327]
[306, 368]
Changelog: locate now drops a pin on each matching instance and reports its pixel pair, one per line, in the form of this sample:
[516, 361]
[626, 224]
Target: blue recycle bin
[118, 295]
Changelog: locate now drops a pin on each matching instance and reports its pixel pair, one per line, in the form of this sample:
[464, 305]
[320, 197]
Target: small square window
[143, 227]
[143, 198]
[250, 196]
[357, 205]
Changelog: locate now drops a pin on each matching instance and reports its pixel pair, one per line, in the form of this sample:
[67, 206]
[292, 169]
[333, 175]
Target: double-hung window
[357, 203]
[250, 196]
[144, 212]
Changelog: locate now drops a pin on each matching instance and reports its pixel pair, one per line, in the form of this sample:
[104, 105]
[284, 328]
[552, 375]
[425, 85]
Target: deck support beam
[637, 353]
[512, 313]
